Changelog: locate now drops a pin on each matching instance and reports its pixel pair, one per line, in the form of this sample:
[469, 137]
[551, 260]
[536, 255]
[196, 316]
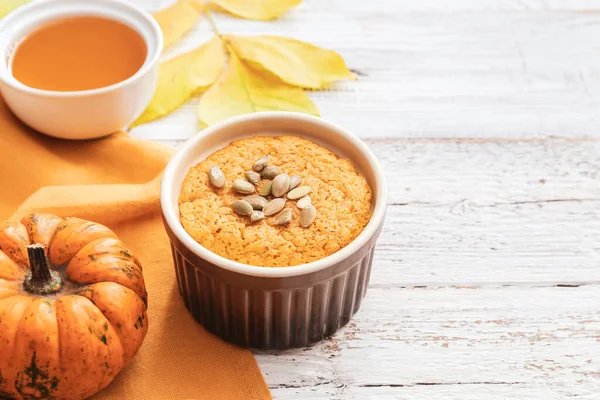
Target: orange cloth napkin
[115, 181]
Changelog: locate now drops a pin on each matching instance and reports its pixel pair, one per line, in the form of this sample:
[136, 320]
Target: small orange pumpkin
[72, 307]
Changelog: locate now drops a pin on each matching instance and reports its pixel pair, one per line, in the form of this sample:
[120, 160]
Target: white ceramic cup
[85, 114]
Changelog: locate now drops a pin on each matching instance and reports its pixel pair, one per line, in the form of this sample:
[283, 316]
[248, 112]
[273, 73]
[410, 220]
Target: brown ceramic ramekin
[262, 307]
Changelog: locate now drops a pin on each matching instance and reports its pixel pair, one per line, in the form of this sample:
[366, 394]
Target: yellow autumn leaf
[295, 62]
[178, 19]
[256, 9]
[183, 76]
[243, 90]
[7, 6]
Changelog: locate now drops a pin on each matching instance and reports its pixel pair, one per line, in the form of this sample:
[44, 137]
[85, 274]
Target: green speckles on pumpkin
[50, 308]
[97, 332]
[139, 322]
[33, 372]
[126, 254]
[85, 291]
[35, 383]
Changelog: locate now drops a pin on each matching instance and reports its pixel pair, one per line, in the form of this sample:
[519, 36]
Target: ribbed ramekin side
[272, 319]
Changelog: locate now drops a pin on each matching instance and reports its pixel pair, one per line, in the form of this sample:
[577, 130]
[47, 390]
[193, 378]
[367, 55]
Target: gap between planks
[495, 340]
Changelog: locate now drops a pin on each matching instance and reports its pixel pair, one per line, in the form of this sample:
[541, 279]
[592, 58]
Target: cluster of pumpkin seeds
[280, 186]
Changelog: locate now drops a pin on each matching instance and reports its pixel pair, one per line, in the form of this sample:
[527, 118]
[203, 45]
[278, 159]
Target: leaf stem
[212, 21]
[217, 32]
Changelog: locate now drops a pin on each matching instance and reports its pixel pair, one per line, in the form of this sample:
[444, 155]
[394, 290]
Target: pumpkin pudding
[340, 196]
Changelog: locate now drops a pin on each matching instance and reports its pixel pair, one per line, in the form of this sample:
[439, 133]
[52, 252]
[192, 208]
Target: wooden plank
[439, 6]
[439, 69]
[457, 391]
[541, 244]
[427, 343]
[489, 172]
[477, 212]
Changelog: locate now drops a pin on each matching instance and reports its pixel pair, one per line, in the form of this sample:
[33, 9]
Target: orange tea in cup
[78, 53]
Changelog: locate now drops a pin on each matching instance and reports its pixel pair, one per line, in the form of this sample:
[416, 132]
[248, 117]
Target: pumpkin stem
[41, 280]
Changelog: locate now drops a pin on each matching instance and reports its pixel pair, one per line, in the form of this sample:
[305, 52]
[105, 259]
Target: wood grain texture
[475, 212]
[435, 68]
[484, 113]
[420, 343]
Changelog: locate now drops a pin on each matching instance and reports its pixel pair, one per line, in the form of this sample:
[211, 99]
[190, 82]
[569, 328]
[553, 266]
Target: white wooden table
[486, 116]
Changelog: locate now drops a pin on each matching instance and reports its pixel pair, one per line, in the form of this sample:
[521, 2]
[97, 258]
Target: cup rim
[172, 218]
[152, 58]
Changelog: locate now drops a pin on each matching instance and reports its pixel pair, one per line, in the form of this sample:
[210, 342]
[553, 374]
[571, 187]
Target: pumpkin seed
[284, 218]
[265, 189]
[294, 181]
[281, 185]
[299, 192]
[257, 202]
[243, 187]
[256, 216]
[216, 177]
[252, 177]
[274, 206]
[307, 215]
[303, 202]
[270, 172]
[242, 207]
[260, 163]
